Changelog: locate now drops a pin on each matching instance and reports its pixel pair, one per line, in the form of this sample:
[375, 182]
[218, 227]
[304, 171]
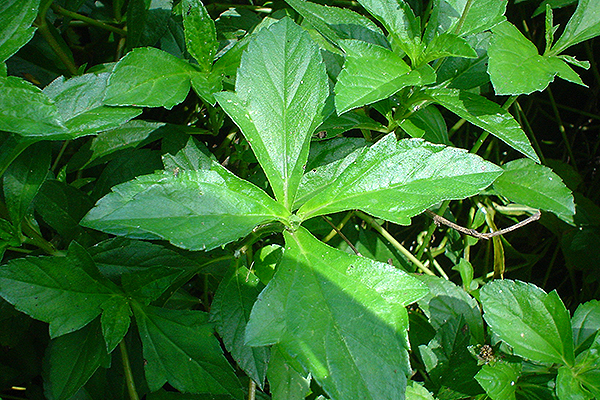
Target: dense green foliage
[254, 201]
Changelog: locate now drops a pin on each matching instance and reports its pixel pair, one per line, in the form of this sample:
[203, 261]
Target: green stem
[44, 30]
[60, 154]
[561, 128]
[128, 373]
[252, 390]
[531, 135]
[430, 230]
[371, 221]
[463, 17]
[339, 227]
[59, 10]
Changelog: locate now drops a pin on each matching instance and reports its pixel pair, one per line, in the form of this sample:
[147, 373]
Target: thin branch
[472, 232]
[335, 228]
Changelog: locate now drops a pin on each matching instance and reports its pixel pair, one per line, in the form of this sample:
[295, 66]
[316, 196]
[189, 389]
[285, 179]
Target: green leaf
[587, 368]
[515, 67]
[335, 125]
[396, 180]
[446, 301]
[535, 324]
[200, 33]
[196, 210]
[79, 102]
[72, 359]
[230, 311]
[67, 292]
[467, 73]
[499, 379]
[481, 15]
[427, 123]
[583, 25]
[194, 156]
[149, 77]
[446, 45]
[116, 317]
[399, 20]
[415, 391]
[533, 185]
[25, 110]
[339, 23]
[341, 316]
[23, 179]
[285, 383]
[147, 285]
[568, 387]
[586, 324]
[206, 85]
[373, 73]
[485, 114]
[16, 30]
[180, 348]
[281, 89]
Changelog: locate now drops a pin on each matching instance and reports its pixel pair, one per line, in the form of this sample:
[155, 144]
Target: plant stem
[58, 9]
[463, 17]
[430, 230]
[44, 30]
[561, 128]
[128, 373]
[344, 238]
[339, 227]
[531, 135]
[371, 221]
[252, 390]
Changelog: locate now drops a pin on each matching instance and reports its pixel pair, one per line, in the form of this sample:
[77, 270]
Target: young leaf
[281, 89]
[25, 110]
[180, 348]
[285, 383]
[399, 20]
[499, 379]
[485, 114]
[230, 311]
[535, 324]
[67, 292]
[79, 102]
[515, 67]
[195, 210]
[397, 180]
[200, 33]
[341, 316]
[583, 25]
[16, 30]
[536, 186]
[339, 23]
[373, 73]
[72, 359]
[149, 77]
[586, 324]
[415, 391]
[446, 45]
[116, 317]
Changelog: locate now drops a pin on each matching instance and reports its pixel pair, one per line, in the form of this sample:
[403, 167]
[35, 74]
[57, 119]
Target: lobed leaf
[341, 316]
[397, 180]
[534, 323]
[196, 210]
[533, 185]
[281, 88]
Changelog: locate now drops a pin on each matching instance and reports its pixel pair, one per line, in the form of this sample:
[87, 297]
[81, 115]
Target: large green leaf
[67, 292]
[79, 102]
[583, 25]
[397, 180]
[230, 311]
[515, 67]
[72, 359]
[485, 114]
[281, 89]
[200, 33]
[586, 324]
[16, 30]
[399, 20]
[536, 186]
[499, 379]
[180, 348]
[149, 77]
[25, 110]
[448, 16]
[341, 316]
[373, 73]
[534, 323]
[196, 210]
[339, 23]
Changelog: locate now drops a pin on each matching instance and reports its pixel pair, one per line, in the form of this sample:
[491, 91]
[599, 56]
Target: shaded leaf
[568, 387]
[535, 324]
[397, 180]
[467, 73]
[586, 324]
[499, 380]
[180, 348]
[533, 185]
[285, 383]
[16, 30]
[341, 316]
[485, 114]
[427, 123]
[281, 89]
[200, 33]
[116, 316]
[583, 25]
[195, 210]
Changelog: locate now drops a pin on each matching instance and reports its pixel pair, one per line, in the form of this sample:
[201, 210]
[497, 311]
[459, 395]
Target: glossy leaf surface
[281, 87]
[16, 30]
[449, 16]
[534, 323]
[194, 209]
[586, 323]
[397, 180]
[533, 185]
[485, 114]
[285, 382]
[583, 25]
[200, 33]
[499, 380]
[446, 45]
[341, 316]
